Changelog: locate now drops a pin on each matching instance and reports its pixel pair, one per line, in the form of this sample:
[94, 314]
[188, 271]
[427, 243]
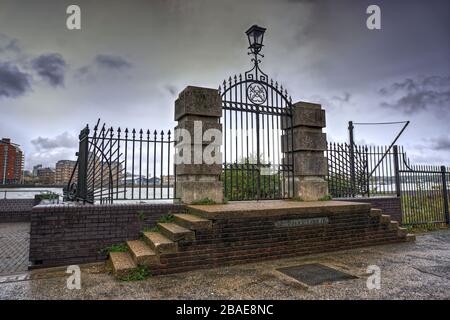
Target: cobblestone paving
[14, 246]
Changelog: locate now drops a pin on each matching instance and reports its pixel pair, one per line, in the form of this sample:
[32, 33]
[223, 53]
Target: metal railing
[118, 165]
[424, 192]
[361, 171]
[374, 171]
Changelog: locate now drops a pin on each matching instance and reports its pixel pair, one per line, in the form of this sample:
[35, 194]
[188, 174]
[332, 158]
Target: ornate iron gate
[256, 124]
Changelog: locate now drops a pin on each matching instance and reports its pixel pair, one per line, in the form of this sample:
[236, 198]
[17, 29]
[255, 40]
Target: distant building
[140, 180]
[63, 171]
[11, 162]
[46, 176]
[35, 169]
[28, 177]
[168, 180]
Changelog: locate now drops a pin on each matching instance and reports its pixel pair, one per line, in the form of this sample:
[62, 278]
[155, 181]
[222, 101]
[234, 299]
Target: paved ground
[419, 270]
[14, 246]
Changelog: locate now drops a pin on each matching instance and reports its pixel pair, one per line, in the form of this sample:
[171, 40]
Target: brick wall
[244, 240]
[71, 234]
[390, 205]
[16, 210]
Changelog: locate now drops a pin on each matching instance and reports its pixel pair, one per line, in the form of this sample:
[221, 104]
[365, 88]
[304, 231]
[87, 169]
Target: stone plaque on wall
[292, 223]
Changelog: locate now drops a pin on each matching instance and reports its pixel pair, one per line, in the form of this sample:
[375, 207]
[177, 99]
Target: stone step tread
[192, 222]
[173, 227]
[140, 248]
[402, 232]
[374, 212]
[393, 225]
[159, 242]
[190, 217]
[121, 262]
[175, 232]
[411, 237]
[385, 218]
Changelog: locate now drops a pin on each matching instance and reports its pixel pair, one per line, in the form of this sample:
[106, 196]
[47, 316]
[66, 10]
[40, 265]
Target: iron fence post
[397, 172]
[352, 159]
[366, 164]
[83, 150]
[445, 194]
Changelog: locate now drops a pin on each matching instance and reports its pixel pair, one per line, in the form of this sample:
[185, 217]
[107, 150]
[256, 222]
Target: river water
[137, 196]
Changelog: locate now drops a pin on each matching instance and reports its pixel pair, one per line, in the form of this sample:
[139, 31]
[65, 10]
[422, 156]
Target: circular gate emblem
[256, 93]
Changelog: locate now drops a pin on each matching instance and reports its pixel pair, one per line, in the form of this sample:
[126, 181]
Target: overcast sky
[131, 58]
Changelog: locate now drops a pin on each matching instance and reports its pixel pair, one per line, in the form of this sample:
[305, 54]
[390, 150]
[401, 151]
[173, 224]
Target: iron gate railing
[374, 171]
[256, 120]
[424, 193]
[361, 171]
[116, 165]
[255, 164]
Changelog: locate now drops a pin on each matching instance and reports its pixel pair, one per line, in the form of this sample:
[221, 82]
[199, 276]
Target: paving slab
[410, 270]
[14, 247]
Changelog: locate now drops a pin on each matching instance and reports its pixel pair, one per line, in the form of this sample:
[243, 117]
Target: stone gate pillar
[309, 146]
[197, 110]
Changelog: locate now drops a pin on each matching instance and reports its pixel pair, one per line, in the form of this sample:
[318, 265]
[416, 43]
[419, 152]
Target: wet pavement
[419, 270]
[14, 247]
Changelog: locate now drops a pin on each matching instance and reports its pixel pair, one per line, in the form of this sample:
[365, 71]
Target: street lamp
[255, 36]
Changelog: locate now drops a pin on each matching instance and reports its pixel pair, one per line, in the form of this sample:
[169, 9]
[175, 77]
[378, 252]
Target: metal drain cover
[314, 274]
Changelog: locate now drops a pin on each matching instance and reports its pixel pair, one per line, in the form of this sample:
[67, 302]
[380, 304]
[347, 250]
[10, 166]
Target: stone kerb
[197, 111]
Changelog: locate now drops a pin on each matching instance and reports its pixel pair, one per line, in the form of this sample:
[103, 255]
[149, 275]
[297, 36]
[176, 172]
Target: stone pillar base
[191, 191]
[310, 188]
[198, 110]
[307, 143]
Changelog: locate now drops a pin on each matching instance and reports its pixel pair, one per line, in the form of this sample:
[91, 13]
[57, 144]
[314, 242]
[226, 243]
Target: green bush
[204, 201]
[241, 181]
[137, 274]
[141, 215]
[151, 229]
[46, 196]
[167, 218]
[326, 198]
[121, 247]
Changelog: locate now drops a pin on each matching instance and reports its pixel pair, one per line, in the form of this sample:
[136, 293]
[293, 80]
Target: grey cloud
[342, 99]
[415, 95]
[8, 44]
[13, 82]
[441, 143]
[334, 102]
[51, 67]
[111, 62]
[64, 140]
[102, 62]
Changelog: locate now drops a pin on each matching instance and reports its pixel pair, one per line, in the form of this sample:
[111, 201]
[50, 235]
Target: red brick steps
[410, 237]
[192, 222]
[176, 232]
[141, 253]
[159, 243]
[147, 252]
[204, 239]
[121, 263]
